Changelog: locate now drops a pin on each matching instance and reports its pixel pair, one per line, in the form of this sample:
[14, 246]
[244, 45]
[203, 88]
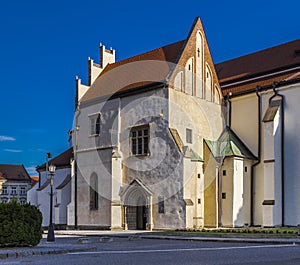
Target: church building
[167, 139]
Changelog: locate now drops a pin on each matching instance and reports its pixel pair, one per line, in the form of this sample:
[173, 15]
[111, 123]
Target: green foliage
[20, 225]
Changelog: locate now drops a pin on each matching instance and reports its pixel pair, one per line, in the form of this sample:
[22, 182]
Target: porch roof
[229, 144]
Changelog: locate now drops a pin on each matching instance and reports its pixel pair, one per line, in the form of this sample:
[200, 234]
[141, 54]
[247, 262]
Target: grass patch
[235, 232]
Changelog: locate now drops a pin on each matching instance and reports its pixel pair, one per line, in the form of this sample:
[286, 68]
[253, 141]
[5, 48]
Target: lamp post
[50, 236]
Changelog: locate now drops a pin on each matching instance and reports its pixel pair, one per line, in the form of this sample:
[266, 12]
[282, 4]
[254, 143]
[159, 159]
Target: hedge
[20, 225]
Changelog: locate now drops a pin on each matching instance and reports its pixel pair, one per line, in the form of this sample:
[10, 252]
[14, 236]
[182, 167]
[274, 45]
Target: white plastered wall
[244, 122]
[246, 129]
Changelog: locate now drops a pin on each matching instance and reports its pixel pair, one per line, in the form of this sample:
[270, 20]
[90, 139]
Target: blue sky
[45, 44]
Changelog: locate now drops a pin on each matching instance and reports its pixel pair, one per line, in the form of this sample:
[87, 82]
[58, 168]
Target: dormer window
[139, 139]
[95, 124]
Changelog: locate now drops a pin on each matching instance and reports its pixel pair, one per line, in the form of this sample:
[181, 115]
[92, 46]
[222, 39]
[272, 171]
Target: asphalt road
[175, 252]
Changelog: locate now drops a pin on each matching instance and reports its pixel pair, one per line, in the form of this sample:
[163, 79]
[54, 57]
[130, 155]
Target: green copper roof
[229, 144]
[195, 157]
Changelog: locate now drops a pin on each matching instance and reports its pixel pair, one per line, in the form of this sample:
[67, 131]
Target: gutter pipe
[258, 157]
[276, 94]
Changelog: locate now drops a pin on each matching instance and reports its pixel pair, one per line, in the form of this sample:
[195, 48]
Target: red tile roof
[262, 62]
[153, 67]
[35, 178]
[14, 172]
[62, 160]
[140, 70]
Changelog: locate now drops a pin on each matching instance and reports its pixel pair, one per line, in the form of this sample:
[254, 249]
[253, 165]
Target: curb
[41, 252]
[224, 239]
[206, 239]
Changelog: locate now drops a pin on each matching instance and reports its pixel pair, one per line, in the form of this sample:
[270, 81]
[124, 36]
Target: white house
[39, 195]
[14, 183]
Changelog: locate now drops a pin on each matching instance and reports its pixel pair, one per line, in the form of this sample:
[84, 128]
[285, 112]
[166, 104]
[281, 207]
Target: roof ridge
[59, 156]
[147, 52]
[257, 52]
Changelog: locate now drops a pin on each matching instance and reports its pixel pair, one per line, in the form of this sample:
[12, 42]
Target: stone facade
[164, 187]
[166, 140]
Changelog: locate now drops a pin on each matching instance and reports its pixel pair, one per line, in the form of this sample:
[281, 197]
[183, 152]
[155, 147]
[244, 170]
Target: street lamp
[50, 236]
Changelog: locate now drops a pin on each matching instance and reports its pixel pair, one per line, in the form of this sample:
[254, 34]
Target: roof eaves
[248, 152]
[267, 87]
[250, 78]
[130, 92]
[46, 183]
[64, 182]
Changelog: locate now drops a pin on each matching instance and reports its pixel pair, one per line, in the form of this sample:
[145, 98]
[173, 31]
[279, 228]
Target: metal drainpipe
[276, 94]
[39, 179]
[258, 158]
[75, 204]
[229, 114]
[75, 171]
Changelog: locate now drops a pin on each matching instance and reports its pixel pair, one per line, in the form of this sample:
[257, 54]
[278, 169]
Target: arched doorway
[137, 200]
[136, 214]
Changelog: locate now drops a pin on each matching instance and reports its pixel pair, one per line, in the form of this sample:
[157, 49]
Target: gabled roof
[60, 161]
[14, 172]
[148, 70]
[137, 71]
[136, 183]
[229, 144]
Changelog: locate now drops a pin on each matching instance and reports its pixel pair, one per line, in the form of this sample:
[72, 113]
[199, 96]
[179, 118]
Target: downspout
[258, 158]
[75, 171]
[229, 109]
[77, 113]
[220, 162]
[75, 197]
[39, 179]
[276, 94]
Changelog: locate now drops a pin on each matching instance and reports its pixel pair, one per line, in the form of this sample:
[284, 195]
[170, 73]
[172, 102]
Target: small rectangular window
[224, 172]
[199, 176]
[13, 190]
[189, 136]
[95, 124]
[23, 190]
[246, 169]
[161, 204]
[139, 138]
[223, 195]
[4, 190]
[199, 201]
